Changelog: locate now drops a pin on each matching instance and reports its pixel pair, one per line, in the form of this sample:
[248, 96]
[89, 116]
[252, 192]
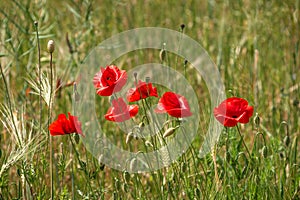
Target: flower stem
[49, 120]
[215, 167]
[71, 147]
[74, 150]
[242, 138]
[39, 75]
[82, 165]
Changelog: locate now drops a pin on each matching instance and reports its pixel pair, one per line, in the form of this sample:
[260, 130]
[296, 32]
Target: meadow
[255, 47]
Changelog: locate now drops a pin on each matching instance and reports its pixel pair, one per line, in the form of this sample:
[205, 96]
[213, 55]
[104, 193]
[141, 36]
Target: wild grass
[255, 45]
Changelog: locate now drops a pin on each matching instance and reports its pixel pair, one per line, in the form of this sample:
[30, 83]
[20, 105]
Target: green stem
[71, 149]
[39, 74]
[215, 167]
[179, 46]
[49, 120]
[226, 153]
[72, 173]
[242, 138]
[81, 164]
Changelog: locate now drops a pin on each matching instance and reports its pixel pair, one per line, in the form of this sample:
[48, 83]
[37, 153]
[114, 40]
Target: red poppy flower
[63, 126]
[233, 110]
[120, 111]
[141, 91]
[109, 80]
[174, 104]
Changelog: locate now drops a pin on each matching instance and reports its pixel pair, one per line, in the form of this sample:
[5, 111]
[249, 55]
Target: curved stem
[242, 138]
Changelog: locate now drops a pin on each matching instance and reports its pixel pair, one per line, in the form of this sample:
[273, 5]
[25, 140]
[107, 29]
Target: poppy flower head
[233, 110]
[141, 91]
[109, 80]
[63, 126]
[120, 111]
[173, 104]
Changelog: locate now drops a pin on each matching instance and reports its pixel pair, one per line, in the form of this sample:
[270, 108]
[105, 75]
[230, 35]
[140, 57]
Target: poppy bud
[185, 62]
[126, 176]
[82, 165]
[148, 143]
[117, 184]
[133, 164]
[242, 160]
[162, 55]
[136, 136]
[197, 192]
[264, 151]
[282, 155]
[102, 166]
[257, 120]
[173, 177]
[125, 187]
[184, 167]
[287, 140]
[144, 122]
[141, 126]
[92, 175]
[100, 160]
[115, 195]
[182, 26]
[170, 131]
[129, 137]
[51, 46]
[296, 102]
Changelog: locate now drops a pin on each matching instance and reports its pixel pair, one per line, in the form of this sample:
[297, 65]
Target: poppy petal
[174, 104]
[143, 90]
[64, 126]
[120, 111]
[233, 110]
[109, 80]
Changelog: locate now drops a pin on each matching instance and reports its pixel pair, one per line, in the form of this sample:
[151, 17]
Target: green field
[255, 47]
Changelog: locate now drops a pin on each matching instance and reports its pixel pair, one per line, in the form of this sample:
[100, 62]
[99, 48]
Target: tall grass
[255, 45]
